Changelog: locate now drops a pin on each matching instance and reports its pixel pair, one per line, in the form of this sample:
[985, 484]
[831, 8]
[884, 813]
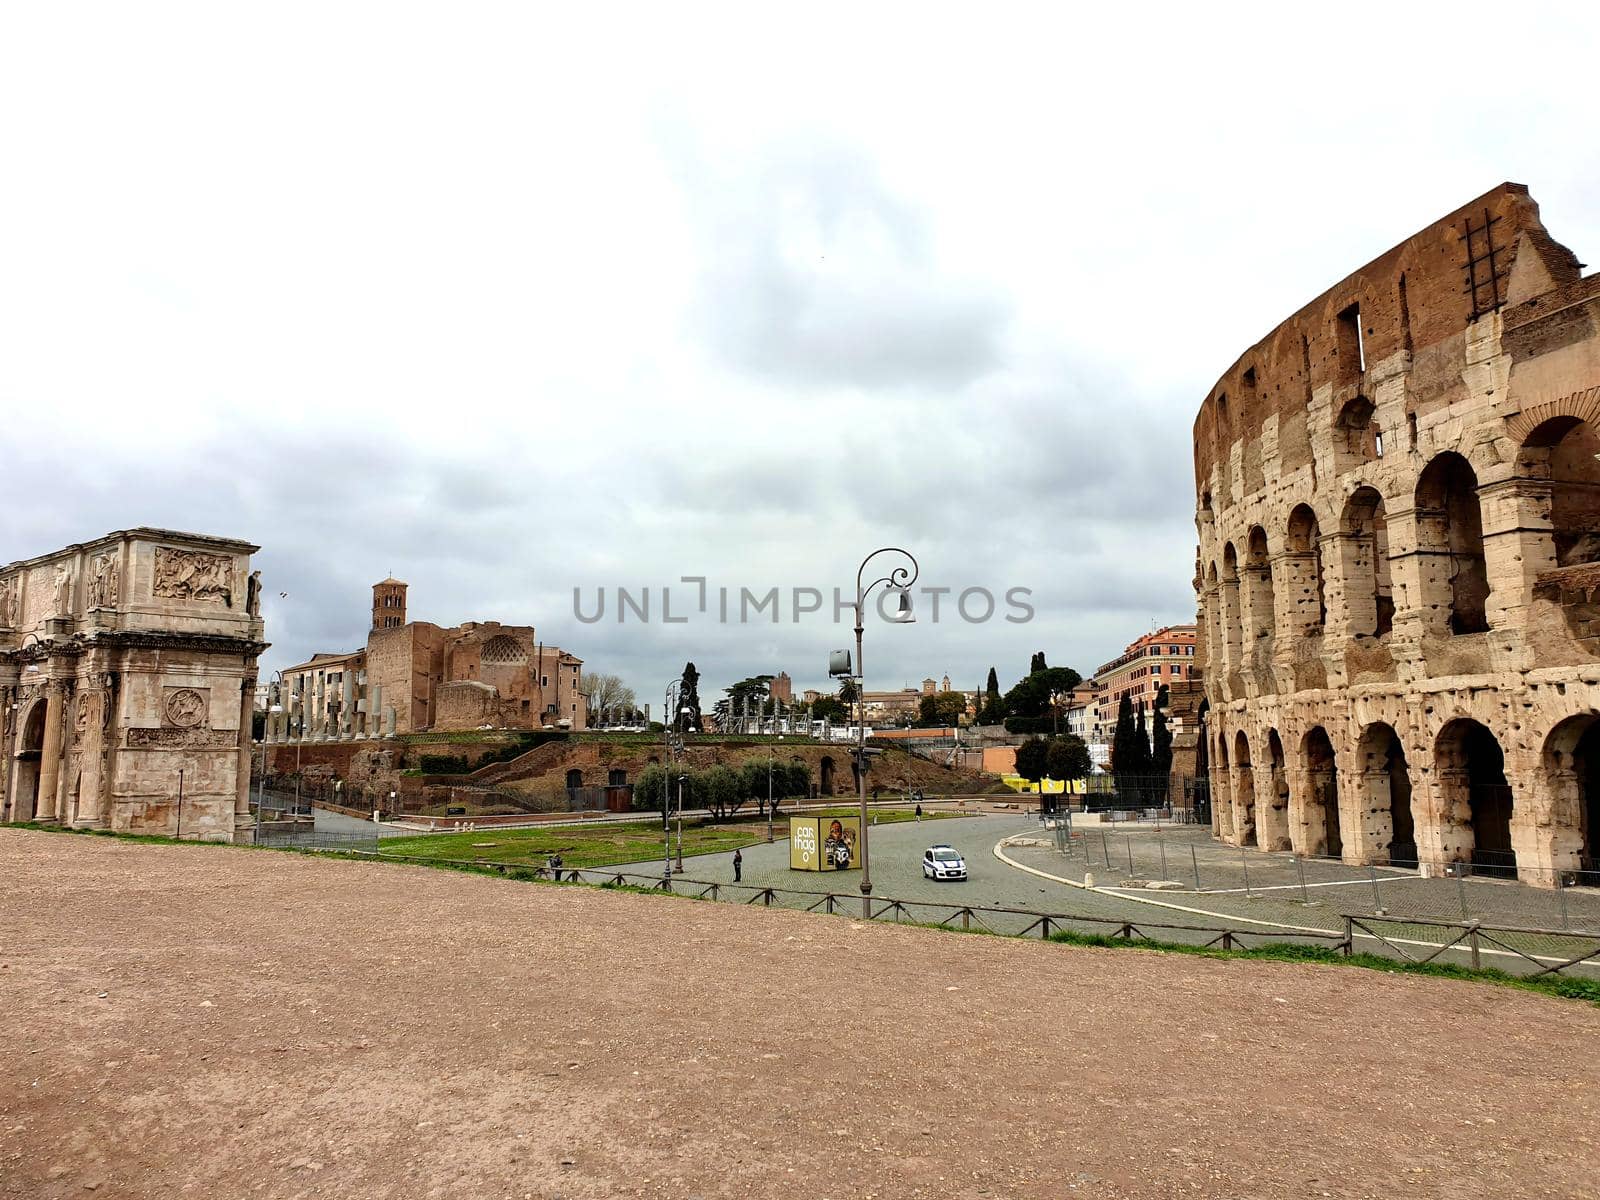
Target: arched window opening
[1387, 780]
[1304, 562]
[1369, 590]
[1273, 822]
[1244, 795]
[1258, 584]
[1565, 451]
[1356, 430]
[1322, 801]
[1232, 619]
[1455, 577]
[1572, 775]
[1471, 769]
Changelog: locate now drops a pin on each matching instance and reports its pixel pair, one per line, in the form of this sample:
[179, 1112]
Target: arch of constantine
[127, 679]
[1399, 561]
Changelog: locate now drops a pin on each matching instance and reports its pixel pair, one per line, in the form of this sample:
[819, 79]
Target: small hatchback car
[943, 862]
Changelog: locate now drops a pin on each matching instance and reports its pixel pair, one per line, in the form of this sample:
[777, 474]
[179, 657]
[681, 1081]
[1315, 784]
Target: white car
[943, 862]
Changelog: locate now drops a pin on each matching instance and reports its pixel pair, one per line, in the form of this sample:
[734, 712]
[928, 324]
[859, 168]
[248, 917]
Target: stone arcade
[127, 678]
[1399, 561]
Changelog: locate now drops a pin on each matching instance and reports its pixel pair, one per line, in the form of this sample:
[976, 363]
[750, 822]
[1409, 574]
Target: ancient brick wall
[1395, 498]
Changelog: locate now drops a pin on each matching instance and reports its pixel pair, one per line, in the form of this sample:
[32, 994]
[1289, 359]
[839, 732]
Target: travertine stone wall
[1399, 516]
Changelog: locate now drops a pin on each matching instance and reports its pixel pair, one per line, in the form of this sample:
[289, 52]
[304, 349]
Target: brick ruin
[1399, 561]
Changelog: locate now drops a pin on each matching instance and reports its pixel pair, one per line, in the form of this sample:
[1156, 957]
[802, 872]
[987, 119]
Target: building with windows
[1398, 506]
[1149, 663]
[414, 676]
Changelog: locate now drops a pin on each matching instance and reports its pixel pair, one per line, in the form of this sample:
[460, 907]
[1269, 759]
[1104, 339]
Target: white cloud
[508, 301]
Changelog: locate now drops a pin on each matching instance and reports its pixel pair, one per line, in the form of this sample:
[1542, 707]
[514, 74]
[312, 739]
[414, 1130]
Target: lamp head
[903, 614]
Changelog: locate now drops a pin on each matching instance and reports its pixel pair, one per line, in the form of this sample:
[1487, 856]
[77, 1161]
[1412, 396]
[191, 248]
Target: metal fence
[1520, 950]
[1187, 867]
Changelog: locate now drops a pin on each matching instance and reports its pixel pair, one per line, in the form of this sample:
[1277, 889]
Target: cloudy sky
[510, 301]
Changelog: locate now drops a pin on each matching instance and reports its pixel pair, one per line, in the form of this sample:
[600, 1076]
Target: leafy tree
[744, 698]
[1037, 663]
[649, 789]
[1031, 756]
[1067, 758]
[945, 708]
[1036, 695]
[828, 709]
[722, 789]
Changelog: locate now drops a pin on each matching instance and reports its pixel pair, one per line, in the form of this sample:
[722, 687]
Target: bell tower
[388, 604]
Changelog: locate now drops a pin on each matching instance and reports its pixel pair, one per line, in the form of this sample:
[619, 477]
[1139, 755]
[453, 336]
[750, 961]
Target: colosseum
[1398, 502]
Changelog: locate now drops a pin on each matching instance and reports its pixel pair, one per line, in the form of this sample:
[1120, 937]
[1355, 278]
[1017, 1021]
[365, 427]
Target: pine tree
[1037, 664]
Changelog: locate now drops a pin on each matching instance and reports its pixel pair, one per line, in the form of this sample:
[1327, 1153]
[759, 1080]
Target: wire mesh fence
[1515, 949]
[1299, 889]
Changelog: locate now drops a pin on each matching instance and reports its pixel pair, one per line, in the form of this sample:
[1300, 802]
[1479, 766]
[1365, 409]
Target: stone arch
[1319, 821]
[1201, 801]
[1356, 429]
[1273, 821]
[1571, 769]
[617, 777]
[575, 778]
[1222, 790]
[1559, 455]
[24, 793]
[1475, 799]
[1388, 822]
[1302, 561]
[1453, 574]
[826, 770]
[1244, 791]
[1258, 598]
[1364, 554]
[1232, 619]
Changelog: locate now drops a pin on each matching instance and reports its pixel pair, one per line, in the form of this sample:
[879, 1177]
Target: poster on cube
[824, 843]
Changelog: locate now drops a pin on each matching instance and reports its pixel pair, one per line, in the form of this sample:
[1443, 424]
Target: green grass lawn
[604, 845]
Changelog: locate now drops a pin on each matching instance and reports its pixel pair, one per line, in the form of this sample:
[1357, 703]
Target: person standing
[738, 866]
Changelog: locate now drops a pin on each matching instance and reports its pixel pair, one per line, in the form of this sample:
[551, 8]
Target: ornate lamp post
[771, 751]
[669, 742]
[899, 579]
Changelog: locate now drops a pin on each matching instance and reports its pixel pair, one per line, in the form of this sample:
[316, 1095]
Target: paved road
[896, 856]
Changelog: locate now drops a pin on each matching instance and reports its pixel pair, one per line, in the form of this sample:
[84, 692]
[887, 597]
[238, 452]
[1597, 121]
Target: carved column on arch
[50, 753]
[241, 803]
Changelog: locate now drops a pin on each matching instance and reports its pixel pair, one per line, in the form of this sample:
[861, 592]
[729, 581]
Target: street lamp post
[899, 579]
[681, 780]
[670, 719]
[771, 751]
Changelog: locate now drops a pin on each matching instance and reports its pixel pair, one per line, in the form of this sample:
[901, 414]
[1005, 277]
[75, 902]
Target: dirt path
[201, 1021]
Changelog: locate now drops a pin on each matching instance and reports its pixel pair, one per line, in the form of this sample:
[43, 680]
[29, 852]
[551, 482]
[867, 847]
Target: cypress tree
[1124, 755]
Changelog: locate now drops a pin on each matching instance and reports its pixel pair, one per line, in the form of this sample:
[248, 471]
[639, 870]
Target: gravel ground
[205, 1021]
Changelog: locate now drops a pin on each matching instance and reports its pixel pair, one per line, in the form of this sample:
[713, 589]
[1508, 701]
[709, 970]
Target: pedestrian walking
[738, 866]
[919, 812]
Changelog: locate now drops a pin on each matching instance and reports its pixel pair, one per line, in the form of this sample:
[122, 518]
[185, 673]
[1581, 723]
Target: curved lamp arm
[900, 578]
